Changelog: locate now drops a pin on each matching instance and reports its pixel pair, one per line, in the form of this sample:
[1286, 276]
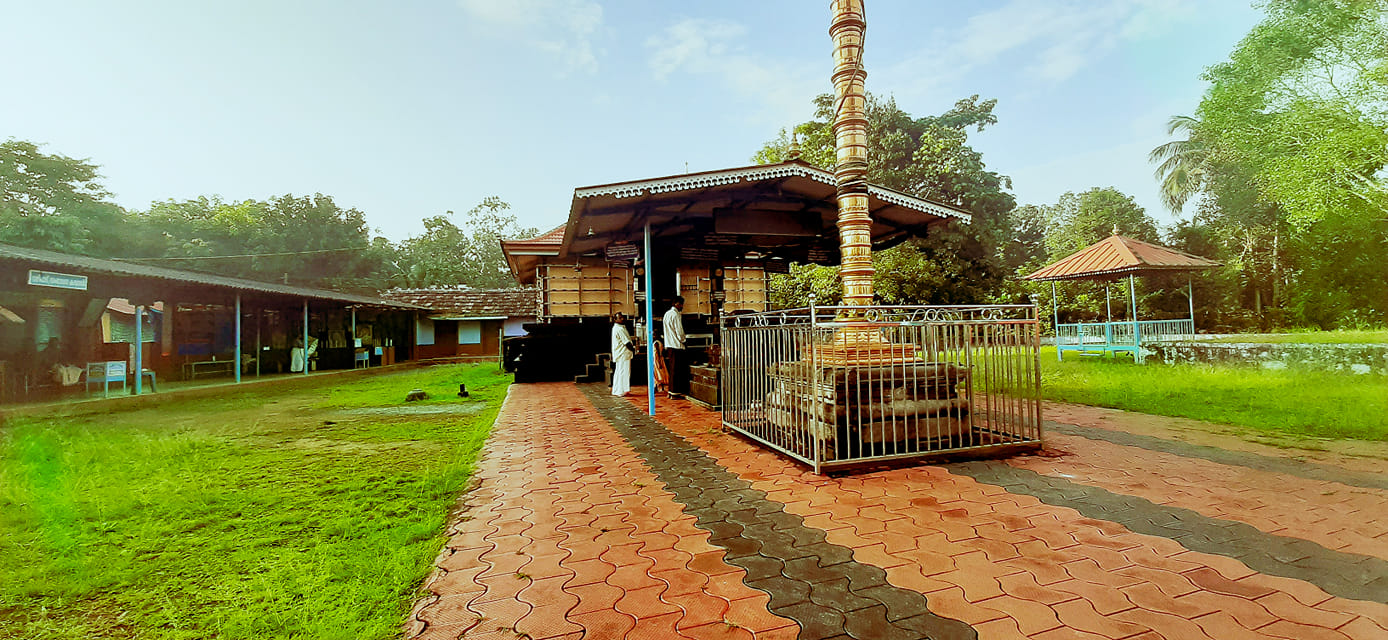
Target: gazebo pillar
[1137, 332]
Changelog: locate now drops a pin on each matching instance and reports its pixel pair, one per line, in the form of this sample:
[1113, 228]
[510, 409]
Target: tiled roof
[1119, 255]
[470, 303]
[88, 264]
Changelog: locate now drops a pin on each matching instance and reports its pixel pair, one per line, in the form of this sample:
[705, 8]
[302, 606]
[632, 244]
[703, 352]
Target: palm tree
[1183, 163]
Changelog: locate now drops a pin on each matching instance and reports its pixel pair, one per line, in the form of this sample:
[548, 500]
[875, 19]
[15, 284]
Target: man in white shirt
[622, 352]
[676, 362]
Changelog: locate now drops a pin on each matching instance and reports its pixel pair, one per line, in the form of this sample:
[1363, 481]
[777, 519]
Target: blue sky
[408, 109]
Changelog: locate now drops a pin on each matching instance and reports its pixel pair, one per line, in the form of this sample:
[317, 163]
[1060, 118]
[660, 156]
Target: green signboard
[57, 280]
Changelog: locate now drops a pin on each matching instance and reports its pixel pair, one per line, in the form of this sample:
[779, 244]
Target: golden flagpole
[854, 345]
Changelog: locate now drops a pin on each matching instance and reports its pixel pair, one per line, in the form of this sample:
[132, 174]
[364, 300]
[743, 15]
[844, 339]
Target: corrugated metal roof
[476, 304]
[1116, 256]
[130, 270]
[762, 172]
[675, 206]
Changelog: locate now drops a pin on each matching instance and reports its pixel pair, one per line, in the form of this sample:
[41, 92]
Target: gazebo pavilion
[1108, 260]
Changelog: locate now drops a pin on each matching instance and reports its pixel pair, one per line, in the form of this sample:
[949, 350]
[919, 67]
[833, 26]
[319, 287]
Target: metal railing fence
[965, 379]
[1121, 332]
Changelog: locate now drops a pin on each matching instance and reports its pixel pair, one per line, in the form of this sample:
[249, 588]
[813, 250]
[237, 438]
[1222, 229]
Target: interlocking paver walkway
[591, 520]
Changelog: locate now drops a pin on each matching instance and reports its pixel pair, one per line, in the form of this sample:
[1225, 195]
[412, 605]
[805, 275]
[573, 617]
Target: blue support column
[1137, 330]
[237, 356]
[650, 326]
[1055, 322]
[305, 336]
[139, 348]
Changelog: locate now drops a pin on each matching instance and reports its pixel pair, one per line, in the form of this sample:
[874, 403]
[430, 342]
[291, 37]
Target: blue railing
[1119, 337]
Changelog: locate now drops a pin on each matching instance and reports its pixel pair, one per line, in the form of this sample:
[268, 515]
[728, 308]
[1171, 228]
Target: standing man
[673, 327]
[622, 352]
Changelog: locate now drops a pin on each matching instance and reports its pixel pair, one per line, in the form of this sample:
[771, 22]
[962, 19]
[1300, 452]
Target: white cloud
[565, 29]
[1055, 40]
[714, 48]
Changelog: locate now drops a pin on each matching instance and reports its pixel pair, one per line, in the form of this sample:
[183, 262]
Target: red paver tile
[711, 563]
[1031, 617]
[1174, 585]
[505, 586]
[1167, 625]
[1065, 633]
[658, 627]
[751, 613]
[1286, 607]
[1001, 629]
[1210, 580]
[951, 603]
[717, 631]
[1080, 614]
[1374, 611]
[1364, 628]
[1273, 502]
[1224, 626]
[1248, 613]
[646, 603]
[699, 609]
[594, 597]
[1295, 631]
[449, 611]
[499, 615]
[604, 624]
[1303, 592]
[1149, 597]
[589, 571]
[548, 621]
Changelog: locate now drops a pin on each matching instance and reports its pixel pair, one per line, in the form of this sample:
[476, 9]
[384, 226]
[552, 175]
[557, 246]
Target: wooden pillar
[305, 336]
[236, 366]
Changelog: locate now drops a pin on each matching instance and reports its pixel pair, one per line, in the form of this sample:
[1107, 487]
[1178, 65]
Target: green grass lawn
[308, 513]
[1285, 402]
[1379, 336]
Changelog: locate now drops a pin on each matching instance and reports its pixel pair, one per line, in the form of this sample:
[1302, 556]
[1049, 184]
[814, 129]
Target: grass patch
[1285, 402]
[270, 514]
[1379, 336]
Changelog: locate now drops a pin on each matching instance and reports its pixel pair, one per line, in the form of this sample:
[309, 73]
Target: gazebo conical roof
[1117, 256]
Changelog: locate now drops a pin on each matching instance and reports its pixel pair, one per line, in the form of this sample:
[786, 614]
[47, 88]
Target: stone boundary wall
[1344, 358]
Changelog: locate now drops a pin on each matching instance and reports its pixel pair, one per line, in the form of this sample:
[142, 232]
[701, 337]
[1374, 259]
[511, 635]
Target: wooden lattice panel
[744, 289]
[586, 291]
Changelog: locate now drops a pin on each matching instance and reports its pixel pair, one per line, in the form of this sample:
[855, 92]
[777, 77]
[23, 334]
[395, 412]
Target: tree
[1079, 220]
[1181, 163]
[928, 157]
[1302, 106]
[1290, 145]
[55, 202]
[449, 255]
[307, 240]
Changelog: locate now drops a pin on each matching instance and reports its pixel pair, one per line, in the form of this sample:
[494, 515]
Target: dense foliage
[928, 157]
[58, 203]
[1286, 158]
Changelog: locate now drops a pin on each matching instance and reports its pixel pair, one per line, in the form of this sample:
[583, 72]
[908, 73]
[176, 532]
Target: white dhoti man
[622, 352]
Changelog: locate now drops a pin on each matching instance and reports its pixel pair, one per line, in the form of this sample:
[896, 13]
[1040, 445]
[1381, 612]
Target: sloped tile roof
[458, 302]
[1119, 255]
[86, 265]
